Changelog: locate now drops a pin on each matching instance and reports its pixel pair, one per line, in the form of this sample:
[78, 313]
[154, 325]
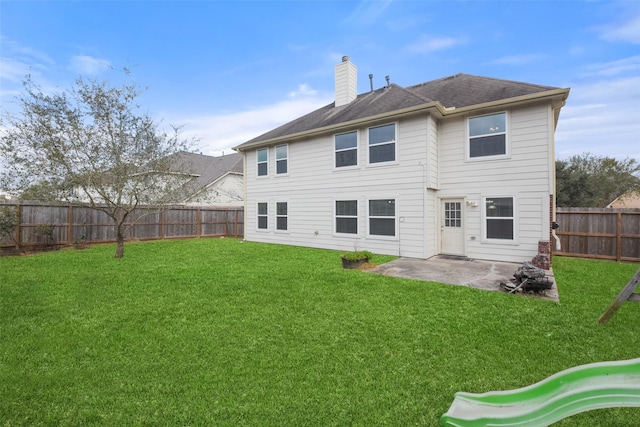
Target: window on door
[453, 214]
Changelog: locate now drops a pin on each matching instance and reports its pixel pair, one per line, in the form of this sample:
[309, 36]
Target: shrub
[357, 255]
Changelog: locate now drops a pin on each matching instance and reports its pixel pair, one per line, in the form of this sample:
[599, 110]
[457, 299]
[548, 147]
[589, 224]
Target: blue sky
[227, 71]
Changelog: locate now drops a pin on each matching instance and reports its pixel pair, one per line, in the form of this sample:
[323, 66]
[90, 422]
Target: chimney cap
[345, 58]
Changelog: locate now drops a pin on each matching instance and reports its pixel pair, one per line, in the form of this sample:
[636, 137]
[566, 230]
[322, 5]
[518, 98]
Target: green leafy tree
[586, 180]
[91, 145]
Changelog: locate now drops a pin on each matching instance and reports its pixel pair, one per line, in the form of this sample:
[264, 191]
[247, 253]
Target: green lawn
[227, 333]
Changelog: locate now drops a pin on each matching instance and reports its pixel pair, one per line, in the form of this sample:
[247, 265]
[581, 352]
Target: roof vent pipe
[371, 81]
[387, 79]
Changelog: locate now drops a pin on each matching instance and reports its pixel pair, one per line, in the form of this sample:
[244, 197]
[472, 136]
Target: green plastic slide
[579, 389]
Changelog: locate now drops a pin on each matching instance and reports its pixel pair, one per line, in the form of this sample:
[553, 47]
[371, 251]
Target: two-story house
[462, 165]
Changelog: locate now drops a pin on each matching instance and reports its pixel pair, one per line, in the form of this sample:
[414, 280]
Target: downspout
[244, 182]
[556, 238]
[554, 225]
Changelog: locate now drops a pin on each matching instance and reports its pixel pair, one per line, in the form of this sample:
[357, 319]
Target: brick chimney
[346, 82]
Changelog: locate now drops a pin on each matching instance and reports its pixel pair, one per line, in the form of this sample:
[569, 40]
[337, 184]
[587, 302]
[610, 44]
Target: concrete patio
[485, 275]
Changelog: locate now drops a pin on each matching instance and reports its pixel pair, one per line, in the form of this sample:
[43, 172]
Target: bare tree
[91, 145]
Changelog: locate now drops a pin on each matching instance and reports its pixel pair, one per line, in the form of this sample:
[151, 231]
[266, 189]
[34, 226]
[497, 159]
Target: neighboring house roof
[203, 169]
[630, 199]
[445, 96]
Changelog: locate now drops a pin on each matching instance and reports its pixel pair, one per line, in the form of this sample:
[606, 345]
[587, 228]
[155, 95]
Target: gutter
[436, 107]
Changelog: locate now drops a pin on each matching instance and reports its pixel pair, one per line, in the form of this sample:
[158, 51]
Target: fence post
[236, 226]
[198, 223]
[18, 231]
[619, 237]
[70, 229]
[162, 224]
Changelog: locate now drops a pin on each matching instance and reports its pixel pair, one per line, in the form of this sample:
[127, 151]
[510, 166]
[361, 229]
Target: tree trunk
[120, 217]
[119, 245]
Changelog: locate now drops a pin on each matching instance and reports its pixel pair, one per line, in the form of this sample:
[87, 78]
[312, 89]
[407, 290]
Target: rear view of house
[462, 165]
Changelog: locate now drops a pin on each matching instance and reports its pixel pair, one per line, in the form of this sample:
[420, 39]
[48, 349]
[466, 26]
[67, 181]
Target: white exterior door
[452, 227]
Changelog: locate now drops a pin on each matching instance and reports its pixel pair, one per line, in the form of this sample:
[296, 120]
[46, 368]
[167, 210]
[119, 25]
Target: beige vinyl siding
[432, 224]
[314, 184]
[523, 174]
[432, 183]
[431, 165]
[432, 168]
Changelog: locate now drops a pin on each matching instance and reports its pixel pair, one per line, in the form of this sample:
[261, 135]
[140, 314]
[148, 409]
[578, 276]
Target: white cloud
[628, 31]
[12, 70]
[602, 118]
[217, 133]
[84, 64]
[368, 11]
[303, 90]
[25, 54]
[613, 68]
[428, 44]
[518, 60]
[16, 62]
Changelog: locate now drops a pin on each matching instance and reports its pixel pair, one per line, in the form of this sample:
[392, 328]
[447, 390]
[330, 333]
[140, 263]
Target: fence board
[600, 233]
[72, 225]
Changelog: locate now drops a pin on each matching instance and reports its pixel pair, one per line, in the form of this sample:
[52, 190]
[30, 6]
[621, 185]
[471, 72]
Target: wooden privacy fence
[599, 233]
[41, 226]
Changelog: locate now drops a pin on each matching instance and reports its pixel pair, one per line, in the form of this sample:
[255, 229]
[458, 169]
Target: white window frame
[394, 142]
[336, 216]
[282, 230]
[259, 215]
[284, 159]
[487, 239]
[356, 149]
[258, 162]
[506, 134]
[395, 219]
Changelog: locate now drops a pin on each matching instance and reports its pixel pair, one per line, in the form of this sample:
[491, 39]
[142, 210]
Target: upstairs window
[281, 216]
[346, 146]
[262, 216]
[347, 216]
[382, 217]
[499, 218]
[282, 156]
[488, 135]
[262, 156]
[382, 144]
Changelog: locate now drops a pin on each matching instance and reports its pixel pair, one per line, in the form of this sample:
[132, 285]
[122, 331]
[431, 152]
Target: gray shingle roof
[463, 90]
[460, 90]
[206, 169]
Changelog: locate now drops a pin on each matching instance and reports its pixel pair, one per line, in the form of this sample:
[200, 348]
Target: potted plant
[355, 259]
